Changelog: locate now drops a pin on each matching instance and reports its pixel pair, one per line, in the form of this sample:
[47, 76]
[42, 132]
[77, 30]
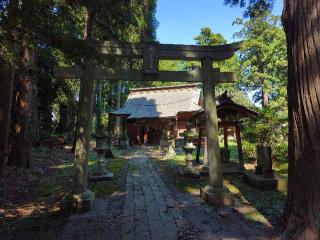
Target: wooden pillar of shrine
[239, 145]
[138, 135]
[225, 136]
[199, 143]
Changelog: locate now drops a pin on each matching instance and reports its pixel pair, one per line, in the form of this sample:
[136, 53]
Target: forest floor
[29, 198]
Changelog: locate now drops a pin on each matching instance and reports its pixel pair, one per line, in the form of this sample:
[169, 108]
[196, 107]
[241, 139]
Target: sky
[181, 20]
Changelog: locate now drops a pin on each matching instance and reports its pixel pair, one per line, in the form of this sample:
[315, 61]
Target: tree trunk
[301, 22]
[5, 112]
[265, 98]
[20, 152]
[6, 88]
[34, 132]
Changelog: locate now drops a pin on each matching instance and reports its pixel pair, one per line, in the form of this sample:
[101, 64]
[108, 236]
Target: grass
[61, 182]
[103, 189]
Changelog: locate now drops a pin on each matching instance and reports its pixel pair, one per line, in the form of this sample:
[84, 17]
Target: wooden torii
[151, 53]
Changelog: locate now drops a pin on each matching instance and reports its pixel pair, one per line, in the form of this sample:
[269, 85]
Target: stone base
[259, 181]
[227, 168]
[219, 197]
[189, 172]
[77, 202]
[202, 169]
[109, 153]
[124, 144]
[104, 177]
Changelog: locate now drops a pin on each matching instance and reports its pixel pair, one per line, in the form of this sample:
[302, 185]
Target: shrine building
[148, 111]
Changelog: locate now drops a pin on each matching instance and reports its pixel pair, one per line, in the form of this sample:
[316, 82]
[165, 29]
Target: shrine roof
[161, 102]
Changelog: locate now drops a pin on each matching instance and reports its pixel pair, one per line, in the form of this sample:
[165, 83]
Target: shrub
[249, 151]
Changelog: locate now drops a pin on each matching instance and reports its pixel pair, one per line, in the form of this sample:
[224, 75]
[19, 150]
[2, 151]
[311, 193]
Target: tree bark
[21, 145]
[6, 90]
[265, 98]
[301, 22]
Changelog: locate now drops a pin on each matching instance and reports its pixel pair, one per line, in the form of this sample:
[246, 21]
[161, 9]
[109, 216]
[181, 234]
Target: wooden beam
[137, 75]
[167, 51]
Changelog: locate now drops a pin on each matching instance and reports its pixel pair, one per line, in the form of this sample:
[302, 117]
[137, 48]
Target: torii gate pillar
[214, 193]
[81, 198]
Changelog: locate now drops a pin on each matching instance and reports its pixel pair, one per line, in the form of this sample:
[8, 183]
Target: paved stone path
[150, 211]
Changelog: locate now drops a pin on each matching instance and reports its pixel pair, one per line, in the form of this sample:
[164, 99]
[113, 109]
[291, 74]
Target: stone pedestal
[77, 202]
[259, 181]
[225, 155]
[219, 197]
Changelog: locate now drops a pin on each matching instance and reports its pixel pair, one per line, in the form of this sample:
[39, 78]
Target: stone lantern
[189, 148]
[101, 148]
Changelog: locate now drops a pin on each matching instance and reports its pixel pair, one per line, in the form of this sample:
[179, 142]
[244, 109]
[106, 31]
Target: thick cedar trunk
[20, 144]
[302, 212]
[34, 132]
[6, 89]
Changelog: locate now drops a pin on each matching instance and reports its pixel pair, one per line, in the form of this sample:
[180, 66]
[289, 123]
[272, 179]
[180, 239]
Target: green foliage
[249, 151]
[254, 8]
[263, 57]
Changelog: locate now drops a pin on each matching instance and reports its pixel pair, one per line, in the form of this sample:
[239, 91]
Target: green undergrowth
[105, 188]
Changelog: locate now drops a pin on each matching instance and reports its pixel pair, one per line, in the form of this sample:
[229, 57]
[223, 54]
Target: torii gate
[151, 53]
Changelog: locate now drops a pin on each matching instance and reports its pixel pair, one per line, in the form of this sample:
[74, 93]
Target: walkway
[150, 211]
